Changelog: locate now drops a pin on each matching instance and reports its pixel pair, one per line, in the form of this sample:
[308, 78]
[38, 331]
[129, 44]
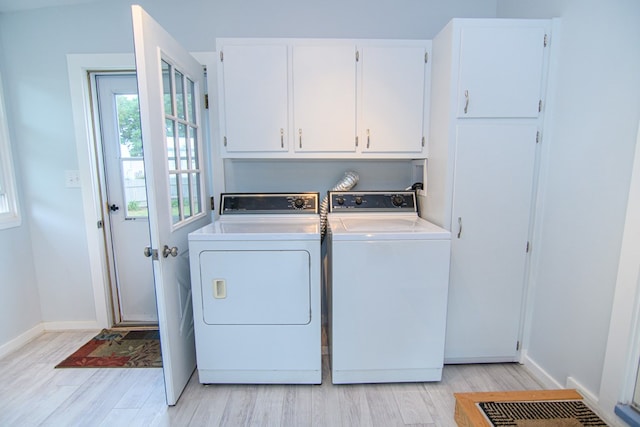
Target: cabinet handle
[300, 136]
[368, 138]
[466, 101]
[459, 226]
[281, 138]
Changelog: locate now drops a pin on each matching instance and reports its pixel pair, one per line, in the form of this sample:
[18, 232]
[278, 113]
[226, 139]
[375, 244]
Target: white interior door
[133, 295]
[171, 93]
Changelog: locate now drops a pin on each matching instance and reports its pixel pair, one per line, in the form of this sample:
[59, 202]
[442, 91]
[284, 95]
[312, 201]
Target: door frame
[79, 66]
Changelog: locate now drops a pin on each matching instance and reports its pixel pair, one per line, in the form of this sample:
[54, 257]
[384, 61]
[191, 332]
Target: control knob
[298, 203]
[397, 200]
[340, 200]
[358, 200]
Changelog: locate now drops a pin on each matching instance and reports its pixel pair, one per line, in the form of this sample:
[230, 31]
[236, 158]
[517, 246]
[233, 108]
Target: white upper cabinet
[500, 69]
[324, 98]
[254, 115]
[393, 98]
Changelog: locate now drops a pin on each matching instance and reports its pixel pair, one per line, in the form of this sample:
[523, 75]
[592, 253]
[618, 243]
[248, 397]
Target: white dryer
[388, 274]
[255, 276]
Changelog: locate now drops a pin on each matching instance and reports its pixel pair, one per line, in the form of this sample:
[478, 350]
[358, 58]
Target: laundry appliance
[388, 274]
[255, 275]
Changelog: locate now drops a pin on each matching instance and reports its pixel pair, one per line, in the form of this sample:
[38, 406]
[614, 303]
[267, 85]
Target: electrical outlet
[72, 179]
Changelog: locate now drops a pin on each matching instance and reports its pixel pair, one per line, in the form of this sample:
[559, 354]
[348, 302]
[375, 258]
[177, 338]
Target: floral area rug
[115, 348]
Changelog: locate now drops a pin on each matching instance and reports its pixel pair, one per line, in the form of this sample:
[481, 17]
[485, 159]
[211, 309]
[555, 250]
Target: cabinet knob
[300, 136]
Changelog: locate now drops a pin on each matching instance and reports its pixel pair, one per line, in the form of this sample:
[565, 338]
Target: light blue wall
[19, 300]
[36, 43]
[585, 178]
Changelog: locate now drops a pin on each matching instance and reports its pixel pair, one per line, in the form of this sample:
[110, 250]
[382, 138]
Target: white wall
[585, 182]
[19, 300]
[37, 89]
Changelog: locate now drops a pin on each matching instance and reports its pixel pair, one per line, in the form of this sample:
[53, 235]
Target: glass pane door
[183, 153]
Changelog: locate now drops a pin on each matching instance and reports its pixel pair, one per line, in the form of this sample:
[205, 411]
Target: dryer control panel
[269, 203]
[372, 201]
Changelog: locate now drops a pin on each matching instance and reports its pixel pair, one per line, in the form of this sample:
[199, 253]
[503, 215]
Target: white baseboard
[540, 374]
[71, 326]
[21, 340]
[591, 399]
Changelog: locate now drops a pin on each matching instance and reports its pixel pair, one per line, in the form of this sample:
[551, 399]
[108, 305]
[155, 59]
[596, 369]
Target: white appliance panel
[387, 297]
[255, 287]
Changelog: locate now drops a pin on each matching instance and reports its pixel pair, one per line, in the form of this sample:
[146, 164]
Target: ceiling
[16, 5]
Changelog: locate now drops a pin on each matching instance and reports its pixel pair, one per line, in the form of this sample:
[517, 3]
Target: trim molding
[21, 340]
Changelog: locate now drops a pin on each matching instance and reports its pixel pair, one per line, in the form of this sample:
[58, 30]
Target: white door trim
[78, 65]
[623, 345]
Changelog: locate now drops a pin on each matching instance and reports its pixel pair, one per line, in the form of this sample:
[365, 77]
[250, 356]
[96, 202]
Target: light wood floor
[33, 393]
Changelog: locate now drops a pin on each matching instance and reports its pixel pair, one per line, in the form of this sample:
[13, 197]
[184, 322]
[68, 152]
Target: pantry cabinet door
[500, 71]
[493, 184]
[324, 98]
[254, 91]
[394, 79]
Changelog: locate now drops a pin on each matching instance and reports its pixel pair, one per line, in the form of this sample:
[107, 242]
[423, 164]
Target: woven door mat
[531, 408]
[566, 413]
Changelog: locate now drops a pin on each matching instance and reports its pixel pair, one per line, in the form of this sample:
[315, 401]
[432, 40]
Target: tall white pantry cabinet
[488, 79]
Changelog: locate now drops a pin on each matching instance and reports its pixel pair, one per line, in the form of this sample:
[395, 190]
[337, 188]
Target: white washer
[255, 276]
[388, 274]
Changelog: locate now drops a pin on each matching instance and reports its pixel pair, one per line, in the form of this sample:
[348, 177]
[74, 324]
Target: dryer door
[253, 287]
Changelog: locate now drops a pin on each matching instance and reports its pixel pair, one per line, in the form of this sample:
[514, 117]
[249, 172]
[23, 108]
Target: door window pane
[131, 162]
[193, 148]
[186, 198]
[166, 86]
[179, 95]
[175, 198]
[182, 145]
[171, 144]
[191, 101]
[195, 190]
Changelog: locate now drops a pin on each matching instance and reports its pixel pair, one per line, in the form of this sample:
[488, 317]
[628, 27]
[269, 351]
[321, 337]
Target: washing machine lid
[384, 227]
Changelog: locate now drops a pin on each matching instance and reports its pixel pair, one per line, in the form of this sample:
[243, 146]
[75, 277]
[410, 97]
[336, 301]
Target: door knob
[166, 251]
[114, 208]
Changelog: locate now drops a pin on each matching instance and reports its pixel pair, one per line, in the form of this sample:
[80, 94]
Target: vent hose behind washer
[347, 183]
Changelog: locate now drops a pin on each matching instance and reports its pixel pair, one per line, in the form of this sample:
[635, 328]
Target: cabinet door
[491, 208]
[500, 71]
[324, 98]
[393, 95]
[254, 88]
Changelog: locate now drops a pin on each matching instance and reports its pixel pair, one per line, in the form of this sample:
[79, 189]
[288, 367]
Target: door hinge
[546, 40]
[357, 56]
[528, 247]
[225, 141]
[537, 137]
[540, 106]
[206, 101]
[100, 224]
[212, 202]
[517, 345]
[221, 56]
[426, 57]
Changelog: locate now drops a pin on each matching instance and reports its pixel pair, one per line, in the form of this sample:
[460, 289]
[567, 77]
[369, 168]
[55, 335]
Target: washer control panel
[269, 203]
[372, 201]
